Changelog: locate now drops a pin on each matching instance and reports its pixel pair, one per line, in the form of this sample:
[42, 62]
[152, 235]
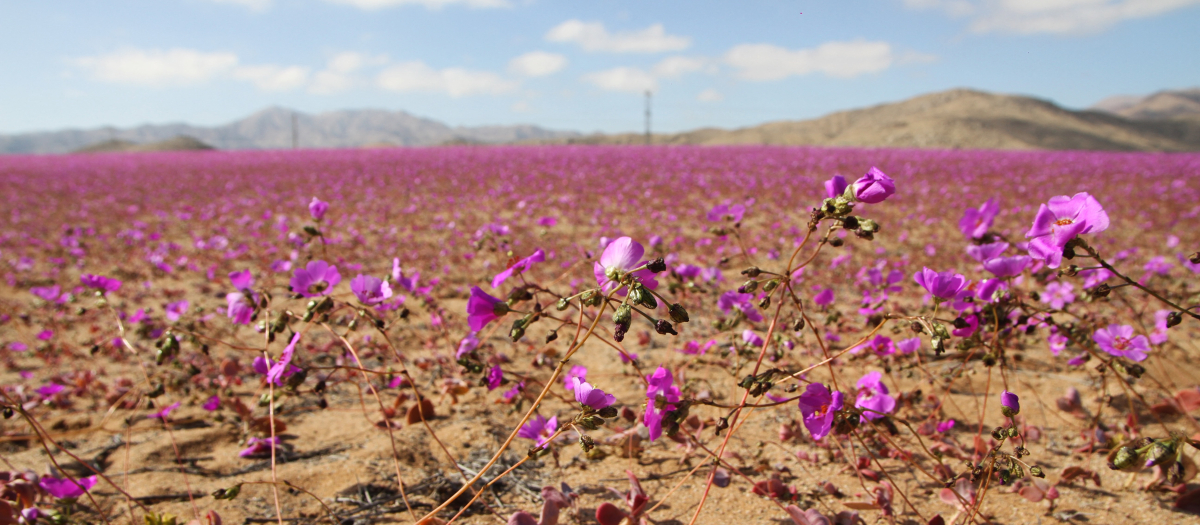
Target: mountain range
[964, 118]
[272, 129]
[958, 118]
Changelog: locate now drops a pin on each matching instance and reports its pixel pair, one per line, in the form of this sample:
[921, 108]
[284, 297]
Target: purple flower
[483, 309]
[370, 290]
[873, 396]
[1159, 335]
[1010, 404]
[818, 406]
[50, 390]
[835, 186]
[494, 377]
[164, 413]
[752, 338]
[45, 293]
[742, 301]
[1094, 277]
[317, 208]
[1119, 340]
[988, 288]
[576, 372]
[983, 252]
[514, 391]
[243, 280]
[519, 267]
[259, 447]
[547, 221]
[175, 310]
[1158, 265]
[467, 345]
[212, 404]
[733, 212]
[874, 187]
[942, 285]
[284, 367]
[99, 282]
[1007, 266]
[972, 326]
[66, 488]
[539, 429]
[1058, 294]
[241, 310]
[909, 346]
[590, 396]
[1057, 342]
[976, 222]
[945, 426]
[621, 256]
[316, 279]
[824, 297]
[1060, 220]
[661, 383]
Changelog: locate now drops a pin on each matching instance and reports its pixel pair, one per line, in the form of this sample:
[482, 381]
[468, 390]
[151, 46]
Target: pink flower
[835, 187]
[873, 396]
[874, 187]
[175, 310]
[284, 367]
[818, 406]
[576, 372]
[976, 222]
[65, 488]
[1058, 294]
[494, 378]
[243, 280]
[591, 397]
[259, 447]
[1060, 220]
[212, 404]
[942, 285]
[483, 309]
[1119, 340]
[164, 413]
[824, 297]
[945, 426]
[619, 258]
[99, 282]
[370, 290]
[520, 266]
[317, 208]
[315, 279]
[539, 429]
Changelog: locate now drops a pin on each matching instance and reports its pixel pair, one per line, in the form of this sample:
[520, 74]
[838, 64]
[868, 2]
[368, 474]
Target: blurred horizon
[567, 66]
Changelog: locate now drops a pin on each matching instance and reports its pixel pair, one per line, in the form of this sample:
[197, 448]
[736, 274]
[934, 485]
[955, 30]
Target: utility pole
[647, 117]
[295, 132]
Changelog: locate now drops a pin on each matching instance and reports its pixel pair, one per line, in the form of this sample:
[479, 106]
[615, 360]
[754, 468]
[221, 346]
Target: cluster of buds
[1166, 454]
[317, 307]
[758, 384]
[591, 419]
[167, 347]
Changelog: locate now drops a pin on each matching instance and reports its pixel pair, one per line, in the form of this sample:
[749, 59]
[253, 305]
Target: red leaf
[1189, 502]
[609, 514]
[521, 517]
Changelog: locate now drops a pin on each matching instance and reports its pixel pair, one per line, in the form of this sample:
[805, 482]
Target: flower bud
[1173, 319]
[623, 314]
[229, 493]
[590, 422]
[1036, 472]
[1194, 258]
[751, 272]
[678, 313]
[1159, 452]
[798, 325]
[663, 327]
[561, 304]
[553, 335]
[620, 331]
[1101, 291]
[500, 309]
[1122, 458]
[836, 242]
[1010, 404]
[850, 222]
[586, 442]
[608, 412]
[657, 266]
[749, 287]
[518, 330]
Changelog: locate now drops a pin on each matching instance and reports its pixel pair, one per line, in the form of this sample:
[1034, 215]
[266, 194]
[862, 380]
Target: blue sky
[580, 65]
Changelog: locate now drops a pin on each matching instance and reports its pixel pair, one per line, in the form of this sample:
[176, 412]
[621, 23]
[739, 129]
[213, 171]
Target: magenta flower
[619, 258]
[988, 288]
[824, 297]
[370, 290]
[972, 326]
[1094, 277]
[576, 372]
[1010, 404]
[1119, 340]
[240, 310]
[243, 280]
[1159, 335]
[46, 293]
[175, 310]
[317, 208]
[1007, 266]
[733, 212]
[983, 252]
[259, 447]
[50, 390]
[1058, 294]
[164, 413]
[976, 222]
[743, 302]
[945, 426]
[212, 404]
[942, 285]
[520, 266]
[467, 345]
[661, 383]
[873, 396]
[398, 278]
[1057, 341]
[1158, 265]
[316, 279]
[874, 187]
[483, 309]
[66, 488]
[751, 338]
[1060, 220]
[835, 187]
[818, 405]
[284, 367]
[99, 282]
[494, 378]
[539, 429]
[590, 396]
[909, 346]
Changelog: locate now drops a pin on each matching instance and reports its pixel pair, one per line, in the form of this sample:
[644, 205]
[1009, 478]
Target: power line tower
[647, 117]
[295, 132]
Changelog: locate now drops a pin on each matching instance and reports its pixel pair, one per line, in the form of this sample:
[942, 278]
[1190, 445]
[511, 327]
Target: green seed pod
[678, 313]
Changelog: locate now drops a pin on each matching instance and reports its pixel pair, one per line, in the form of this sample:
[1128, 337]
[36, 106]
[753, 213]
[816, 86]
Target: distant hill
[180, 143]
[960, 118]
[272, 129]
[1177, 104]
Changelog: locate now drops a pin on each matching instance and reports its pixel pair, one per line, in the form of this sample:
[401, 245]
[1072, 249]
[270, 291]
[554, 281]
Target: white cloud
[341, 71]
[710, 95]
[157, 67]
[273, 78]
[673, 67]
[253, 5]
[537, 64]
[592, 36]
[521, 107]
[624, 79]
[835, 59]
[1050, 16]
[371, 5]
[456, 82]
